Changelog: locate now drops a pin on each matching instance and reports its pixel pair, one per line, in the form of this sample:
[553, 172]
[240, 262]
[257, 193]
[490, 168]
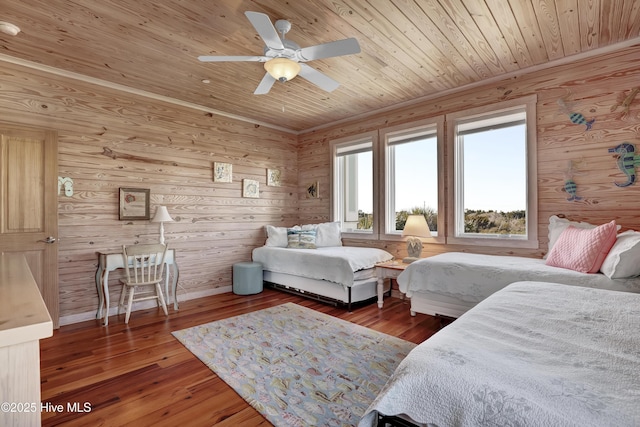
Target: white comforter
[473, 277]
[533, 354]
[335, 264]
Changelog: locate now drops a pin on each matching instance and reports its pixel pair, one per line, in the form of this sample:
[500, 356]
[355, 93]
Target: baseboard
[143, 305]
[397, 294]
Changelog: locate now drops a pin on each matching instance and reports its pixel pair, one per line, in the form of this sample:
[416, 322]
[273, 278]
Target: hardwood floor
[140, 375]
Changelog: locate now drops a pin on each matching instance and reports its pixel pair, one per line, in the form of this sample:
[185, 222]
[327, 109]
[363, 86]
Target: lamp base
[409, 259]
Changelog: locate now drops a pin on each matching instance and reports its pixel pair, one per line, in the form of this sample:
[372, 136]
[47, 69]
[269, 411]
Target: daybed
[449, 284]
[532, 354]
[311, 260]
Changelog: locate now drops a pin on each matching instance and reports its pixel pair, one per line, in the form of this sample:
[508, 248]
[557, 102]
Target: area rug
[297, 366]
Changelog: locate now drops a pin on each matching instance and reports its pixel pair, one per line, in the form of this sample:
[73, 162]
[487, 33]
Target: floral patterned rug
[297, 366]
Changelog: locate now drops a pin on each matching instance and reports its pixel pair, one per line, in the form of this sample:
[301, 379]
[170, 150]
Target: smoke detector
[9, 28]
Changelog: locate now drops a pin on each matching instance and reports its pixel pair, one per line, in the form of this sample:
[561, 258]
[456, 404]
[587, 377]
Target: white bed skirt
[436, 304]
[360, 291]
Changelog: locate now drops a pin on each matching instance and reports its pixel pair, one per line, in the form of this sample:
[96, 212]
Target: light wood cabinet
[24, 320]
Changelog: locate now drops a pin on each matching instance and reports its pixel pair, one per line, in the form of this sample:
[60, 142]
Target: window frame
[335, 183]
[453, 178]
[427, 125]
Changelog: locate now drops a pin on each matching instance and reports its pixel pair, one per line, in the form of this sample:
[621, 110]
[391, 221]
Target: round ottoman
[247, 278]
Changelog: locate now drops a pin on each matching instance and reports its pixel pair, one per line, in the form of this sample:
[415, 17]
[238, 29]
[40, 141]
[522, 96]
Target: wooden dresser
[24, 320]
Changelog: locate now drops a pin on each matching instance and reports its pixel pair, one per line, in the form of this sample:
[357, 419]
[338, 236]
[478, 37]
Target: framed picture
[222, 172]
[273, 177]
[250, 188]
[134, 203]
[312, 190]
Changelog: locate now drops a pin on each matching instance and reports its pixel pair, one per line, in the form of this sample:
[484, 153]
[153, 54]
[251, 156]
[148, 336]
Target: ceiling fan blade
[265, 85]
[317, 78]
[331, 49]
[265, 29]
[206, 58]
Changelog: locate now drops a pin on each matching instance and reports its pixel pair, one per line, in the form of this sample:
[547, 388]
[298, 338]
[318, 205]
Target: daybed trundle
[311, 260]
[449, 284]
[532, 354]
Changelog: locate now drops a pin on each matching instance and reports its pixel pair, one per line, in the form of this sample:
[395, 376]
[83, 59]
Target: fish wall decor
[624, 101]
[570, 185]
[576, 118]
[628, 160]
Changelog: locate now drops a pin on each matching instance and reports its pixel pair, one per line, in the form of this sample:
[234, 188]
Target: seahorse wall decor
[628, 160]
[570, 185]
[576, 118]
[625, 100]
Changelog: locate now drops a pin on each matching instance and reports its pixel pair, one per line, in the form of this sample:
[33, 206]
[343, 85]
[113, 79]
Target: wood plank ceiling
[410, 48]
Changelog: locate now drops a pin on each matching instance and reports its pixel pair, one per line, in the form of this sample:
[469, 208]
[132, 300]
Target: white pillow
[623, 259]
[557, 225]
[328, 234]
[276, 236]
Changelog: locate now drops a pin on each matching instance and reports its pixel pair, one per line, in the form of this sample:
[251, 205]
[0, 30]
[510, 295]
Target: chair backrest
[144, 263]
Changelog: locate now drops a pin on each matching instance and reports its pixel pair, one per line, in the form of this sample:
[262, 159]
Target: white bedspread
[533, 354]
[335, 264]
[473, 277]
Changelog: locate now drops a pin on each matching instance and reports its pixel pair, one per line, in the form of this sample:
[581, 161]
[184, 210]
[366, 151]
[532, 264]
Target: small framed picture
[250, 188]
[134, 203]
[222, 172]
[273, 177]
[313, 190]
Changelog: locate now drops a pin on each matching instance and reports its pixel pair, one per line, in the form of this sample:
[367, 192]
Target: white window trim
[407, 128]
[335, 215]
[531, 241]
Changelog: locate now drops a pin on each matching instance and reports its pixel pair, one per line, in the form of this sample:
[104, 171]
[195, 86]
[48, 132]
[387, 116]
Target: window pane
[413, 179]
[356, 179]
[494, 181]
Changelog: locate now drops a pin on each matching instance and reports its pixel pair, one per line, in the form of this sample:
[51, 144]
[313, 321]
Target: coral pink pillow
[583, 250]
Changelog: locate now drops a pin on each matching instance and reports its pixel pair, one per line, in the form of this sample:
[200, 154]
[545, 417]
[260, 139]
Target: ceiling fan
[283, 59]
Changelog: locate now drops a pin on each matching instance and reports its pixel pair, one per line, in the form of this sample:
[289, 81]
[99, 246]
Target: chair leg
[123, 294]
[130, 303]
[161, 298]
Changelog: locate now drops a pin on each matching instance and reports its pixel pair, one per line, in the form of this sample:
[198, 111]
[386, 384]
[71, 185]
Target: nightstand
[387, 270]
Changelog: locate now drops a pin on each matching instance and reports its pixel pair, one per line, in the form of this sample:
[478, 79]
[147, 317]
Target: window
[354, 199]
[411, 177]
[492, 195]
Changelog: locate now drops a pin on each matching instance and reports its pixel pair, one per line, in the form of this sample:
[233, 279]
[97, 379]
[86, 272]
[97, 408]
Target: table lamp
[415, 228]
[162, 216]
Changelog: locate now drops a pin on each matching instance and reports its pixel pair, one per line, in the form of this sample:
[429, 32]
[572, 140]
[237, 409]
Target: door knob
[49, 239]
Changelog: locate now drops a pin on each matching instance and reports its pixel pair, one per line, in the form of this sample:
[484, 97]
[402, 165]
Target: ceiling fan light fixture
[282, 69]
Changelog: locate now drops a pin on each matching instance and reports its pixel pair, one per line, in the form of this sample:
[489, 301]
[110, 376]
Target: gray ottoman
[247, 278]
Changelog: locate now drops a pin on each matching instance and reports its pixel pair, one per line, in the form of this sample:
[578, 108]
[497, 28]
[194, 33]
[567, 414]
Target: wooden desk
[387, 270]
[24, 320]
[109, 261]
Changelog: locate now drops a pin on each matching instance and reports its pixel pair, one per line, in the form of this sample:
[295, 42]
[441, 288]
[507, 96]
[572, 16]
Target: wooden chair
[144, 265]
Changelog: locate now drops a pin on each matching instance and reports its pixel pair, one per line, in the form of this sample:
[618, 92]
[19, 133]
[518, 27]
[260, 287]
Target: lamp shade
[282, 69]
[417, 226]
[162, 215]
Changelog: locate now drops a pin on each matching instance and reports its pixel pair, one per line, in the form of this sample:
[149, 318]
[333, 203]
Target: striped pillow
[301, 239]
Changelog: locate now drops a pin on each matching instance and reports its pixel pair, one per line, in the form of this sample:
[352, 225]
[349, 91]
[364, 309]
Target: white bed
[337, 273]
[532, 354]
[451, 283]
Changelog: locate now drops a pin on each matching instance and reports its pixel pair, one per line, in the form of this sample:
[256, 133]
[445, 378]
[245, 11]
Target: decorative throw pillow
[301, 239]
[276, 236]
[623, 259]
[581, 249]
[557, 225]
[328, 234]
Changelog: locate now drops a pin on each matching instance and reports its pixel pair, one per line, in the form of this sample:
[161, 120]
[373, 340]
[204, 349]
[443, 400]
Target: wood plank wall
[592, 85]
[110, 139]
